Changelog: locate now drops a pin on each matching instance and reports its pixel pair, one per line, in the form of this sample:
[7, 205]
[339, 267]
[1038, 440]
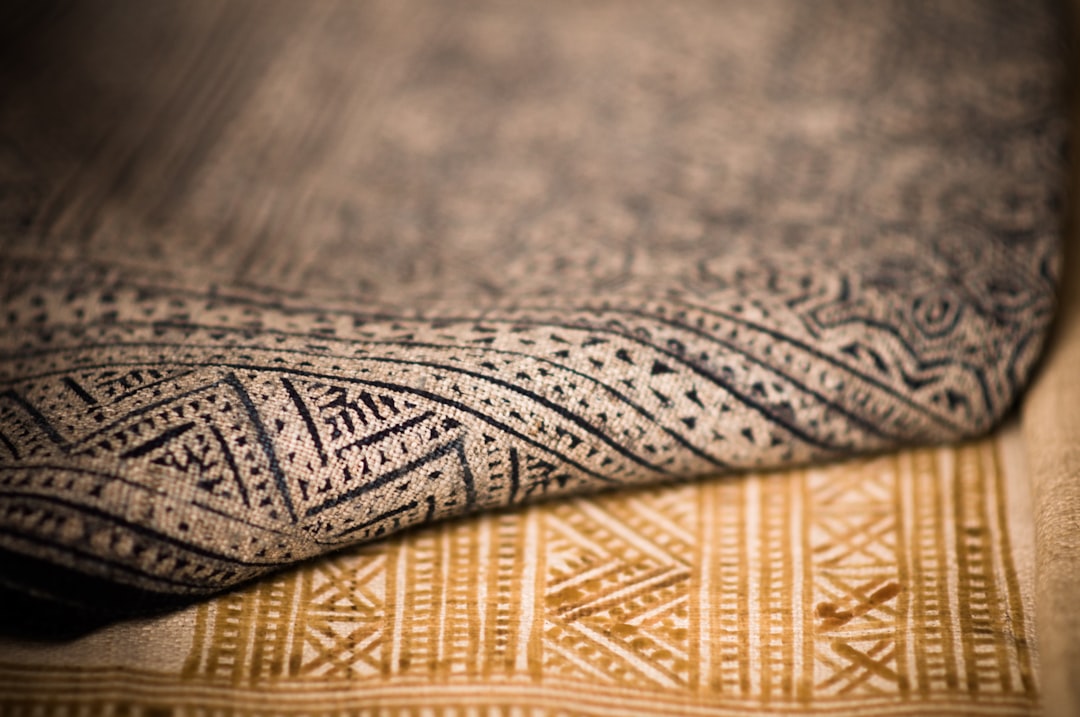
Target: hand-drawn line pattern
[846, 243]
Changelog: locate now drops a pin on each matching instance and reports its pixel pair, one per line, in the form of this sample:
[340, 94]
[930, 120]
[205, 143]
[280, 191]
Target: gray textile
[282, 277]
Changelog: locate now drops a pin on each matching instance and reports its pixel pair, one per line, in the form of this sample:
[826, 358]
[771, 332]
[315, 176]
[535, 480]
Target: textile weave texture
[908, 591]
[278, 278]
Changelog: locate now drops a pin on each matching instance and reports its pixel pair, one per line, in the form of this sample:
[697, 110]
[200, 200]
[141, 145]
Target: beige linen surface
[1052, 438]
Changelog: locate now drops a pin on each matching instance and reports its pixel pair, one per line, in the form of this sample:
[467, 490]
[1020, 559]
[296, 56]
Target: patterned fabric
[281, 278]
[899, 585]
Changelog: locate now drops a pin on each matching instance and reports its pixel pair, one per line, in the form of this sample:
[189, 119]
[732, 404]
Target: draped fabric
[279, 278]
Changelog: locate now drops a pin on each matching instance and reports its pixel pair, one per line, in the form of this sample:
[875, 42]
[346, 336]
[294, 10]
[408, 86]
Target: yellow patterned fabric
[892, 585]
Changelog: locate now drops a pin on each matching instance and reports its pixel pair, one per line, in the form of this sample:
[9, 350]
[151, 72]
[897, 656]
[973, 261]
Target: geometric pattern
[886, 583]
[253, 316]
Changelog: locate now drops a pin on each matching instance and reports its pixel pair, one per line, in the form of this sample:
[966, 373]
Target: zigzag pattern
[183, 416]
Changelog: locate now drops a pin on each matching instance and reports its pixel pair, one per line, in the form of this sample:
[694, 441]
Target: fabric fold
[300, 276]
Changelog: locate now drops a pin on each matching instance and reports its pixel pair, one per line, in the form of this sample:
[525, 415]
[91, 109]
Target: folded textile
[895, 585]
[278, 278]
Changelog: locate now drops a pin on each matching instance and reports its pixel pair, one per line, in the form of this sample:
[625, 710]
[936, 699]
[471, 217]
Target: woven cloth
[278, 278]
[899, 585]
[1052, 438]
